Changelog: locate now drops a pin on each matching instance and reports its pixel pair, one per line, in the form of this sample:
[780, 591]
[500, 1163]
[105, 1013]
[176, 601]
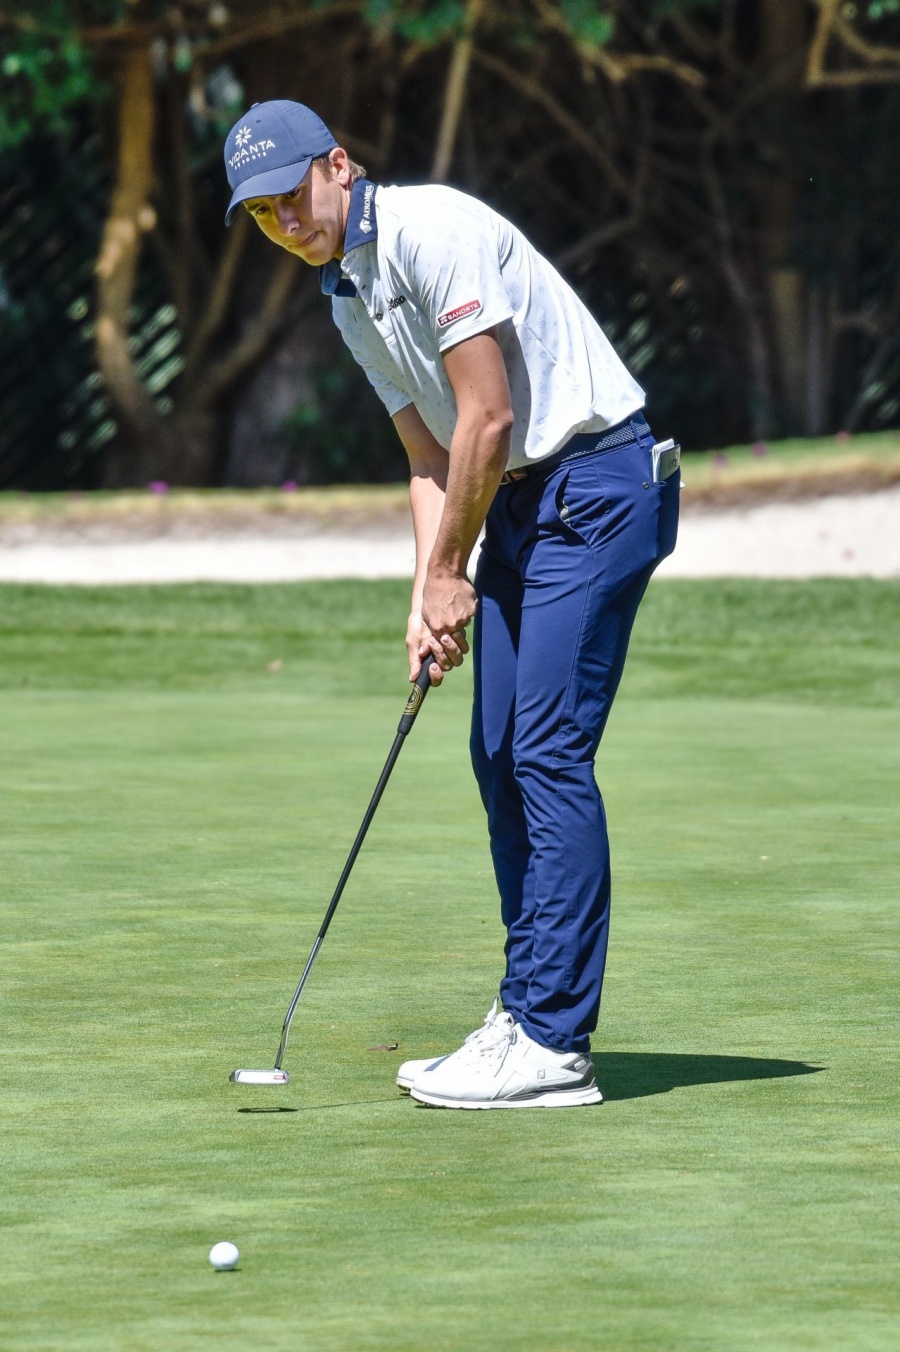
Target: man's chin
[315, 253]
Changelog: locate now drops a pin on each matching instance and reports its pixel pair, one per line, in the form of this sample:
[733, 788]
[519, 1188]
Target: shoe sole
[561, 1098]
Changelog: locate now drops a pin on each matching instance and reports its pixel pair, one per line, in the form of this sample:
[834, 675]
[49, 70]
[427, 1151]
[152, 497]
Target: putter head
[259, 1076]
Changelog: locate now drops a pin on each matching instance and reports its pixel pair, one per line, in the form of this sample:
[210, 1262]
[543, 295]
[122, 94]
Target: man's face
[310, 220]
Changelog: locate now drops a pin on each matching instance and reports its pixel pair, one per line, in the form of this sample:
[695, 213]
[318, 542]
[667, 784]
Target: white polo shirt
[425, 268]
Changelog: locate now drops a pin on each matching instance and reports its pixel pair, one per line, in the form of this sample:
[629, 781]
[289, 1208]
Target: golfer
[517, 416]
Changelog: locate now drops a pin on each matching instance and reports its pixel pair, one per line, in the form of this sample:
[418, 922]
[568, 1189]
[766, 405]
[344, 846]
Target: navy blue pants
[565, 561]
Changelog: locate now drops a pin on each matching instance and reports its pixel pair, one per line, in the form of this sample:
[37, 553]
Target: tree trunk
[821, 309]
[130, 217]
[784, 37]
[455, 92]
[193, 449]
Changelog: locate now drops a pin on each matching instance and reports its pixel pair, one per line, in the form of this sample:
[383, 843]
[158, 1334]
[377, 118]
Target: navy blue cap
[270, 149]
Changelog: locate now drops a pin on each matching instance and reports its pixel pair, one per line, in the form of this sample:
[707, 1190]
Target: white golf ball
[224, 1256]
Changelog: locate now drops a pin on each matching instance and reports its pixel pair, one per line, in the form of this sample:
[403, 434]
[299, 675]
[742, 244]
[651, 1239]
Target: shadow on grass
[323, 1107]
[628, 1075]
[268, 1110]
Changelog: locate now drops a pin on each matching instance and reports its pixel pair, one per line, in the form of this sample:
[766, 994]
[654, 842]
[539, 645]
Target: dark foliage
[725, 207]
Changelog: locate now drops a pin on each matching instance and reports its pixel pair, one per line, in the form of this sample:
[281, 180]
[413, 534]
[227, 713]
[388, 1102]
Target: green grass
[174, 817]
[798, 451]
[875, 455]
[331, 503]
[868, 460]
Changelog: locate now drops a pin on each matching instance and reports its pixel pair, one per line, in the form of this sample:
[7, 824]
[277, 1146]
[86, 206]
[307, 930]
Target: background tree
[714, 175]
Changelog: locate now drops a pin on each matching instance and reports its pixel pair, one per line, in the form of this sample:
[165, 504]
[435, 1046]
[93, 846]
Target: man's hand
[446, 647]
[448, 602]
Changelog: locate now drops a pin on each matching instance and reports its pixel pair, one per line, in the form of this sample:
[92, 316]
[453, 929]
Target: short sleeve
[452, 263]
[366, 355]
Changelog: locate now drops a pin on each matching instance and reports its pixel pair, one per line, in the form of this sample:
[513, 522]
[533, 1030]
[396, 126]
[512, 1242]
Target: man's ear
[340, 165]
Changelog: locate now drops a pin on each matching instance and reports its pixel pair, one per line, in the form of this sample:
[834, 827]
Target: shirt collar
[362, 228]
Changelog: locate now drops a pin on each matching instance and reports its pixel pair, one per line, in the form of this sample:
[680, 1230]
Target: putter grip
[416, 695]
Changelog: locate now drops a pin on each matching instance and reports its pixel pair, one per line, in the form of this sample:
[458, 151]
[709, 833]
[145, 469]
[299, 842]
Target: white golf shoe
[506, 1069]
[411, 1069]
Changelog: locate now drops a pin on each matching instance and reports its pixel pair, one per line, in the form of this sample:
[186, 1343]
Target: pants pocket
[578, 506]
[669, 492]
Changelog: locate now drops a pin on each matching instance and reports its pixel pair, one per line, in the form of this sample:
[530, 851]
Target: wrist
[444, 566]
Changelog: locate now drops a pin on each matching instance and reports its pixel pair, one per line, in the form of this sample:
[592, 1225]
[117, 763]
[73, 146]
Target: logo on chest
[393, 304]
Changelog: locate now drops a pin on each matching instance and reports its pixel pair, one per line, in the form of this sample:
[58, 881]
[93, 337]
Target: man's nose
[286, 217]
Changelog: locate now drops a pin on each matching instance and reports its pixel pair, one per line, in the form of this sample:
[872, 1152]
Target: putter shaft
[413, 705]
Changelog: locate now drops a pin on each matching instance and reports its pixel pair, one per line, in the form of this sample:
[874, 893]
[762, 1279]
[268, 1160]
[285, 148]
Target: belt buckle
[513, 476]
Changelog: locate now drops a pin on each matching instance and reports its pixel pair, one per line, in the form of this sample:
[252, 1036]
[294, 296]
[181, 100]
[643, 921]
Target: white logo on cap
[258, 150]
[244, 135]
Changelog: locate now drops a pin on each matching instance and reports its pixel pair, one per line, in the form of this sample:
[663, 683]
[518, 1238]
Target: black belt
[582, 444]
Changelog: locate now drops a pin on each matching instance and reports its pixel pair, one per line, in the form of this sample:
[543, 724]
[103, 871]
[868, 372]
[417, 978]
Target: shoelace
[496, 1035]
[484, 1030]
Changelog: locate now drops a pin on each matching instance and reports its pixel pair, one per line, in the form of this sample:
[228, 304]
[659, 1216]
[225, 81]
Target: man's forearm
[478, 456]
[428, 468]
[427, 496]
[456, 489]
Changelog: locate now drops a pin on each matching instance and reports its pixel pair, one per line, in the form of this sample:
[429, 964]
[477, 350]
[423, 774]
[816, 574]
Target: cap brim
[269, 184]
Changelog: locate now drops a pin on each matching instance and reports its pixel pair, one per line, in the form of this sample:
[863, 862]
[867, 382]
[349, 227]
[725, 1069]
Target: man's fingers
[455, 645]
[442, 653]
[437, 654]
[437, 665]
[412, 653]
[416, 662]
[423, 646]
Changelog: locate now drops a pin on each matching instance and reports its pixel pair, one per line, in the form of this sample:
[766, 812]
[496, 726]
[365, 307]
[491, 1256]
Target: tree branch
[870, 52]
[269, 320]
[275, 25]
[854, 79]
[831, 25]
[272, 24]
[757, 348]
[130, 217]
[704, 44]
[221, 295]
[455, 92]
[617, 66]
[679, 70]
[595, 239]
[572, 125]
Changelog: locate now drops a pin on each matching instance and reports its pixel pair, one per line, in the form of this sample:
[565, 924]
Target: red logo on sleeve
[471, 307]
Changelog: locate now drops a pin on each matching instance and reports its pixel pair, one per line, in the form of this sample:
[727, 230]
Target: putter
[413, 705]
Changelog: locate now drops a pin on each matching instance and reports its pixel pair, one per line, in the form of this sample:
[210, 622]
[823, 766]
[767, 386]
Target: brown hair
[323, 162]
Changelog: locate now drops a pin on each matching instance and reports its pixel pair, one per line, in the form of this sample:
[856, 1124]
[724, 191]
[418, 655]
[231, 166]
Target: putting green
[174, 816]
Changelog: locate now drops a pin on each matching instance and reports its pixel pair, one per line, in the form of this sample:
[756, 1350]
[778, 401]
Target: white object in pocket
[666, 459]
